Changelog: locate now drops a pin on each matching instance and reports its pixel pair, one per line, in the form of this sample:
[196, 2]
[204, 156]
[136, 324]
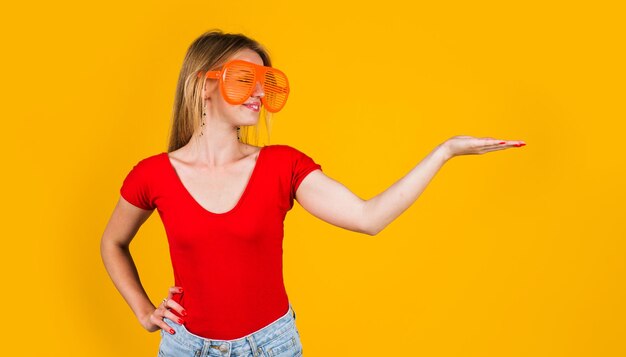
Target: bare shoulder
[251, 150]
[180, 154]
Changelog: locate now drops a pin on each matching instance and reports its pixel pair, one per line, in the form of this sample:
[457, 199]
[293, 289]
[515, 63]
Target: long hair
[209, 51]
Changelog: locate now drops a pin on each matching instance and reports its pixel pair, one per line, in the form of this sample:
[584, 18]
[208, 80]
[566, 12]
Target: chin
[251, 114]
[247, 121]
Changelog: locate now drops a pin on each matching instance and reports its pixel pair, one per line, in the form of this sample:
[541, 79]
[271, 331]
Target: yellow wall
[513, 253]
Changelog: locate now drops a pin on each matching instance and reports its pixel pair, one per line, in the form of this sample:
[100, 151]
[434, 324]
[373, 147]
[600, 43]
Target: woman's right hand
[469, 145]
[154, 320]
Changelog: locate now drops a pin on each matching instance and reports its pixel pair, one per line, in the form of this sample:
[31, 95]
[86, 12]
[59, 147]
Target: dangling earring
[203, 122]
[238, 134]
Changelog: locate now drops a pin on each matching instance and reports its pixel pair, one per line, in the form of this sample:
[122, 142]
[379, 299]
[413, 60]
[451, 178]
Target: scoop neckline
[180, 183]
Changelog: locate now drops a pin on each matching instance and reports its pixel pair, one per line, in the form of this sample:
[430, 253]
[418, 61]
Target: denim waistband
[254, 339]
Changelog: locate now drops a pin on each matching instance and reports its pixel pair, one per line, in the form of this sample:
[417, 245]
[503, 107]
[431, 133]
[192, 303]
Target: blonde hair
[208, 52]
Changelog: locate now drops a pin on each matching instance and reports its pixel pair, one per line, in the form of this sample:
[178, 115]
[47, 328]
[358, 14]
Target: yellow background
[513, 253]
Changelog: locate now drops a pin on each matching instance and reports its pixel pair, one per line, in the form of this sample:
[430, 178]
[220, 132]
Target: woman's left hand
[469, 145]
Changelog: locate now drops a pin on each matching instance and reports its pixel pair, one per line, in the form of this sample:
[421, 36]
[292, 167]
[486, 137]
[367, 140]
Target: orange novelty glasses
[238, 79]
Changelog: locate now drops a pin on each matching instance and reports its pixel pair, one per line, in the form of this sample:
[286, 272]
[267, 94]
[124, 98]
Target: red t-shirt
[228, 264]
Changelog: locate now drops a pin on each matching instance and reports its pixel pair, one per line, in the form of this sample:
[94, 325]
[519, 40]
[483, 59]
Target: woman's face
[236, 115]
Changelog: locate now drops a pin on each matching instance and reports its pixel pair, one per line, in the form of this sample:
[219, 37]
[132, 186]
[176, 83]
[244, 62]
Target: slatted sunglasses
[238, 79]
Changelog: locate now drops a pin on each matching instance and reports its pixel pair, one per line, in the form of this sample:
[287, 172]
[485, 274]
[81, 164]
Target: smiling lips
[254, 106]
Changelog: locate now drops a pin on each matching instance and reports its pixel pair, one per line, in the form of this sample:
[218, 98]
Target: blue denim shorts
[280, 338]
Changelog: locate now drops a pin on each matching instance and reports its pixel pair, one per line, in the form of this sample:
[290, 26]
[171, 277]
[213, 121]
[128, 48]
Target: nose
[258, 90]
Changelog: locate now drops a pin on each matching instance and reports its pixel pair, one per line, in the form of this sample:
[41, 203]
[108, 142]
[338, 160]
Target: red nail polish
[184, 313]
[503, 142]
[522, 144]
[180, 321]
[172, 331]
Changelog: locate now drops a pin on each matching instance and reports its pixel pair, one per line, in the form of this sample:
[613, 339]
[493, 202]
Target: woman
[223, 202]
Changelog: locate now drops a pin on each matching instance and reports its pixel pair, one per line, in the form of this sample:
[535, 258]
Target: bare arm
[388, 205]
[334, 203]
[115, 251]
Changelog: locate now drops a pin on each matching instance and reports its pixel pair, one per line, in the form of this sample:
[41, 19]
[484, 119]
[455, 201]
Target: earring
[238, 133]
[203, 122]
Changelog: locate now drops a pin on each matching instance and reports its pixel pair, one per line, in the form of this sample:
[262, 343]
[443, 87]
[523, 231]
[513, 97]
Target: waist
[228, 317]
[259, 336]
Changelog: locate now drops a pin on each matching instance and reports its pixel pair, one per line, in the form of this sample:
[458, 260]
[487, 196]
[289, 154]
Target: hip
[279, 338]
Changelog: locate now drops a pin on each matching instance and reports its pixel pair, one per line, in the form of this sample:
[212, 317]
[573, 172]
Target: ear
[211, 88]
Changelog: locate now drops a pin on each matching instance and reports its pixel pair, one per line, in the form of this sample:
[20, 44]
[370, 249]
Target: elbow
[370, 233]
[370, 229]
[373, 231]
[108, 244]
[369, 225]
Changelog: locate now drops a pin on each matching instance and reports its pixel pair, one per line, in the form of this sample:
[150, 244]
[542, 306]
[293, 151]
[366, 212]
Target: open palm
[469, 145]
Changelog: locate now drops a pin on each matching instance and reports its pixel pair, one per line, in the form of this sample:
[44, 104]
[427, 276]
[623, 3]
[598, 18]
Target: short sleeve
[302, 166]
[136, 187]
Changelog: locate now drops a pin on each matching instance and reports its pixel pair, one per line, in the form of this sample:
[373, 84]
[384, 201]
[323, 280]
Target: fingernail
[503, 142]
[172, 331]
[516, 145]
[180, 321]
[184, 312]
[180, 289]
[522, 144]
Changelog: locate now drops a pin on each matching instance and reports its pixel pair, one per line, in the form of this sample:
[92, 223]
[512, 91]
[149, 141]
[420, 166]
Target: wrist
[144, 315]
[443, 151]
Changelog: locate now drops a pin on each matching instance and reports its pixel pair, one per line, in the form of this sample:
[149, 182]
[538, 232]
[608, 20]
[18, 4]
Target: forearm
[122, 270]
[382, 209]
